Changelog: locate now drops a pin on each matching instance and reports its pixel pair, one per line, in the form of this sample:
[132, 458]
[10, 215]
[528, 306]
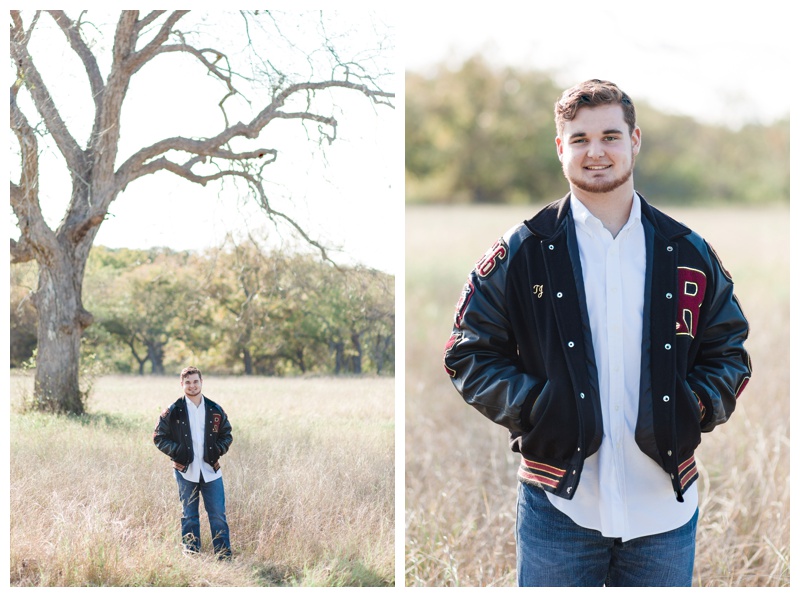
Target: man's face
[597, 149]
[192, 385]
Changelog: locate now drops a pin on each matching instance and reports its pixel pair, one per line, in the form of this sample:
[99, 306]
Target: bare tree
[99, 174]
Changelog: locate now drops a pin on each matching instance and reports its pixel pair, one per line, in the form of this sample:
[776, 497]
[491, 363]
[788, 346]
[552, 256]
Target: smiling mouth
[597, 167]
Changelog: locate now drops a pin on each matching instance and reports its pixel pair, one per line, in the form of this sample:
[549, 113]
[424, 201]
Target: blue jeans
[554, 551]
[213, 494]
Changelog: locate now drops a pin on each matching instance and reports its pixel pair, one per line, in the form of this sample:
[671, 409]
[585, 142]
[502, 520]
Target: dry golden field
[460, 475]
[310, 485]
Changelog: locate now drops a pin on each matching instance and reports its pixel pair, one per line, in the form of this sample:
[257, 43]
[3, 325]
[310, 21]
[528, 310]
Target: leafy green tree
[145, 311]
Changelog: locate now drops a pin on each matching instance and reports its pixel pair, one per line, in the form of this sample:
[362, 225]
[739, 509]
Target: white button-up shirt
[622, 492]
[197, 426]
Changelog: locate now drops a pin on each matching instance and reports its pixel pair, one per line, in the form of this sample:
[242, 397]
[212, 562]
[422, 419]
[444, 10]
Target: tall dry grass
[460, 474]
[309, 487]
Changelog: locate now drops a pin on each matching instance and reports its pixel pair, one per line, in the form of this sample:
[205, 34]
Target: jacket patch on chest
[216, 420]
[691, 291]
[490, 260]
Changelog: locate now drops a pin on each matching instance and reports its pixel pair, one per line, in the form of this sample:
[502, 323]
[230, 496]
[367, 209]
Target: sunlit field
[460, 473]
[309, 487]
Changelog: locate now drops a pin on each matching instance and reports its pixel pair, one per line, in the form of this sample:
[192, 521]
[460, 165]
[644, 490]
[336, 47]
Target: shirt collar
[199, 406]
[583, 217]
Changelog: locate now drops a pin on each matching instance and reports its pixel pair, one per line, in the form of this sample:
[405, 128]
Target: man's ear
[636, 140]
[559, 148]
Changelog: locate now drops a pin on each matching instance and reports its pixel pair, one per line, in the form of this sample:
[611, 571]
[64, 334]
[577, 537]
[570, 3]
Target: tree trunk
[155, 352]
[248, 361]
[378, 354]
[355, 338]
[62, 320]
[338, 347]
[300, 359]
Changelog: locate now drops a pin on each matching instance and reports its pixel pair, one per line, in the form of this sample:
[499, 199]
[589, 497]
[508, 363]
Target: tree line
[236, 309]
[482, 134]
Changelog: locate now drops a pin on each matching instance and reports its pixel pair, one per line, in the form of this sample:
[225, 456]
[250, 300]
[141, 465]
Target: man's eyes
[608, 138]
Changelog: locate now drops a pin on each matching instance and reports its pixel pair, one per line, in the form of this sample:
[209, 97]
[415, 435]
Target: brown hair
[590, 94]
[190, 371]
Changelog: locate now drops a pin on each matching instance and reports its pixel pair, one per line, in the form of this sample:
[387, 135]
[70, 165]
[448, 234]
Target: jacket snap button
[571, 344]
[669, 249]
[666, 398]
[583, 395]
[669, 295]
[569, 489]
[551, 247]
[559, 295]
[574, 472]
[668, 346]
[669, 452]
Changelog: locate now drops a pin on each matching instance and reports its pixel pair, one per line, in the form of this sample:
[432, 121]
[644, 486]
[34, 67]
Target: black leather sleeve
[162, 436]
[722, 366]
[481, 355]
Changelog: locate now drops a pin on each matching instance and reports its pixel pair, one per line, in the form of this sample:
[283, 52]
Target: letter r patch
[691, 291]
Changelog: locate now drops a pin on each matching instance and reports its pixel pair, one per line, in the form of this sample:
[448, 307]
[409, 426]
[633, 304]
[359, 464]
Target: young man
[194, 432]
[606, 337]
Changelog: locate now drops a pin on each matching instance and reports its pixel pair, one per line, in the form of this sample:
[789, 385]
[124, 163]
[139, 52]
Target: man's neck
[195, 399]
[612, 209]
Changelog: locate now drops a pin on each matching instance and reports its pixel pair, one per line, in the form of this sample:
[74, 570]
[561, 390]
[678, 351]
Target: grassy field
[309, 480]
[460, 474]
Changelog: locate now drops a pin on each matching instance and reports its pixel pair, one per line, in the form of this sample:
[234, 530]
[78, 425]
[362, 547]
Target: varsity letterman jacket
[172, 434]
[521, 348]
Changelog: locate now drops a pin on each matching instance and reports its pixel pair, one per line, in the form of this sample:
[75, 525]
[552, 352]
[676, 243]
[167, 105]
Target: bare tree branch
[152, 16]
[143, 56]
[27, 72]
[129, 170]
[73, 35]
[25, 196]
